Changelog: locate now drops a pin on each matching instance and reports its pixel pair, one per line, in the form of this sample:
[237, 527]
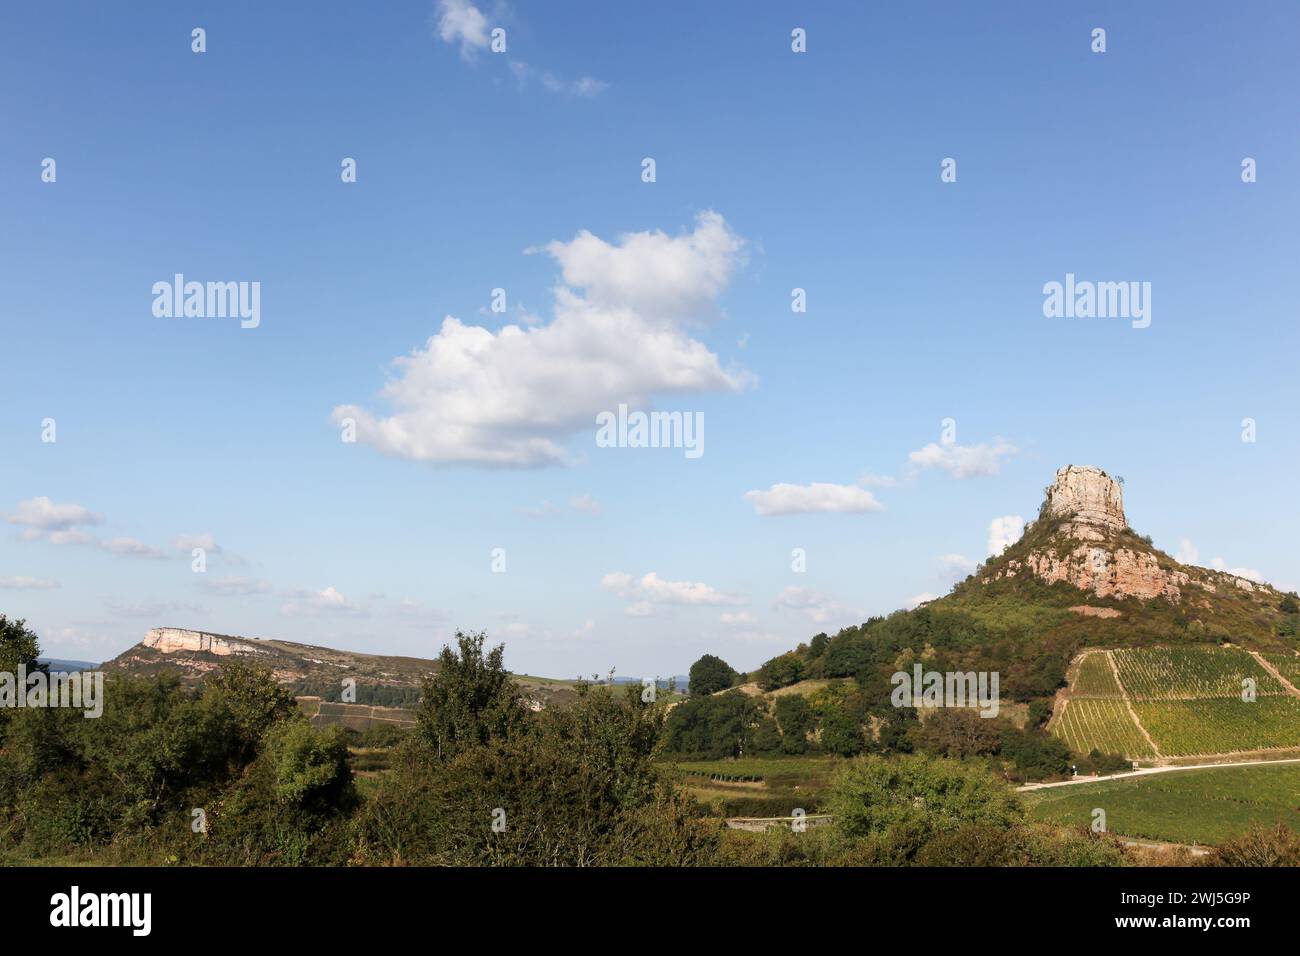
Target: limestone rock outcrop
[172, 640]
[1091, 500]
[1091, 547]
[1119, 573]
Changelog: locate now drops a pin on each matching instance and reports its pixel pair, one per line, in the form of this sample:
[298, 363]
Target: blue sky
[522, 170]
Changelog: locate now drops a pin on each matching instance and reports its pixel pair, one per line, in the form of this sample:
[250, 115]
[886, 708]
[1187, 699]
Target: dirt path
[1290, 688]
[1147, 771]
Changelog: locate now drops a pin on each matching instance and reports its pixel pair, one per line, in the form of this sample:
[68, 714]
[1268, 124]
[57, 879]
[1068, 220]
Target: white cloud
[787, 499]
[738, 619]
[61, 524]
[131, 548]
[954, 567]
[640, 609]
[459, 21]
[819, 608]
[509, 398]
[24, 583]
[963, 461]
[652, 589]
[916, 600]
[584, 86]
[1250, 574]
[586, 505]
[1187, 553]
[232, 585]
[42, 515]
[328, 601]
[1004, 532]
[878, 481]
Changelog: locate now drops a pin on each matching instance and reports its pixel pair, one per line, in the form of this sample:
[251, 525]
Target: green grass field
[1189, 806]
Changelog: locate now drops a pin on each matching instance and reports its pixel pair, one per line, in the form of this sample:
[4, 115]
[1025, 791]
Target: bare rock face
[1091, 500]
[172, 640]
[1087, 548]
[1119, 573]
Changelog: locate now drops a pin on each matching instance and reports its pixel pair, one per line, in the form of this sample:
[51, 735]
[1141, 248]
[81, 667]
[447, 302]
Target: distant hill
[315, 673]
[57, 665]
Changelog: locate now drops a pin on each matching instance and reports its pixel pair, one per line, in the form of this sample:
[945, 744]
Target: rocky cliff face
[173, 640]
[1091, 501]
[1082, 537]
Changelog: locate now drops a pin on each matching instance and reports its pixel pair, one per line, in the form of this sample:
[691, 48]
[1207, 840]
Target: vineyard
[1097, 724]
[1190, 673]
[1095, 677]
[1189, 700]
[1184, 727]
[1288, 665]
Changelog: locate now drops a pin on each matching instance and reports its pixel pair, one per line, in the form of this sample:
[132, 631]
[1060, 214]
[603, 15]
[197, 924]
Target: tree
[18, 645]
[781, 671]
[470, 700]
[711, 674]
[724, 725]
[254, 697]
[796, 720]
[957, 732]
[578, 787]
[1258, 846]
[905, 801]
[842, 732]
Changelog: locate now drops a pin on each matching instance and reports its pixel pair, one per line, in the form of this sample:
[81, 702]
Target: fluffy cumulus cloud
[618, 335]
[786, 499]
[963, 461]
[819, 608]
[652, 589]
[1004, 532]
[64, 524]
[463, 24]
[41, 515]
